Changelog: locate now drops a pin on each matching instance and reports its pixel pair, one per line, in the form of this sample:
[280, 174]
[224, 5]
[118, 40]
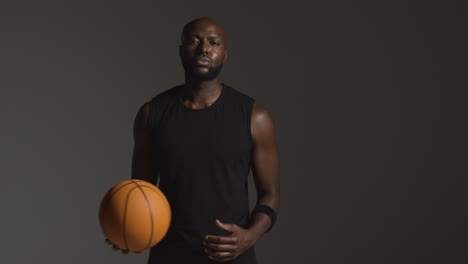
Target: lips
[203, 61]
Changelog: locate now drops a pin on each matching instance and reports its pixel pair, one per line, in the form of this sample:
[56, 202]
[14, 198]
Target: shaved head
[203, 48]
[206, 21]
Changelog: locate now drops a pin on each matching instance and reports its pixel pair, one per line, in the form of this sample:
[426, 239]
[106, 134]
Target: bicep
[143, 157]
[265, 152]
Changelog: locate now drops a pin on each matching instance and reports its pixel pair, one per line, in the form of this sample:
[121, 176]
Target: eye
[192, 41]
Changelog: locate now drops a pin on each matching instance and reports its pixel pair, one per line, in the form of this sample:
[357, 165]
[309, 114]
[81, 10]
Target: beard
[213, 72]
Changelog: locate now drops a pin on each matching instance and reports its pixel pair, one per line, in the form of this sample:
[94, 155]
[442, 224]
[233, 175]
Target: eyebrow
[209, 36]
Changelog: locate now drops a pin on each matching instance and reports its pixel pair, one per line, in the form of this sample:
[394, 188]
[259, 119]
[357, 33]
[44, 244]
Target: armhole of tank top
[151, 116]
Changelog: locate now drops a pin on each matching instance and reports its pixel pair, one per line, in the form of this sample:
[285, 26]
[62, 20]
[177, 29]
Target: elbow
[270, 197]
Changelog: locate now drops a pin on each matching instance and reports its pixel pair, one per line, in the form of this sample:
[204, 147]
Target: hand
[115, 247]
[224, 248]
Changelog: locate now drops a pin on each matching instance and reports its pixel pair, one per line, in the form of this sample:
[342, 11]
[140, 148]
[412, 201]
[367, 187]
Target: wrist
[262, 209]
[259, 226]
[254, 234]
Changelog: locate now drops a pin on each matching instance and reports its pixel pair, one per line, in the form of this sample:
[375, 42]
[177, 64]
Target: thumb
[227, 227]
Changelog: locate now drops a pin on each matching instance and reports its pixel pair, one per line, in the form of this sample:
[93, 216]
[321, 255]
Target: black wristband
[267, 210]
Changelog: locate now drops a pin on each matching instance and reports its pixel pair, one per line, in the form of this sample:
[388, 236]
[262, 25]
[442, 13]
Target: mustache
[202, 58]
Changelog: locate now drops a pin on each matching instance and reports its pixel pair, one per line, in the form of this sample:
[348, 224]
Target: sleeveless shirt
[203, 157]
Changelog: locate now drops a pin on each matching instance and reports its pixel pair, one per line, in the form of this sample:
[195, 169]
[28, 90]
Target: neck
[202, 85]
[199, 94]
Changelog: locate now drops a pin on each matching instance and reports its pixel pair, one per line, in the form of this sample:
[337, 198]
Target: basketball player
[200, 140]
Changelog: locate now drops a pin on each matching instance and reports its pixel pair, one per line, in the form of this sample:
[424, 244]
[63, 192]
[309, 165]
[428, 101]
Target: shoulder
[144, 111]
[261, 121]
[169, 93]
[260, 114]
[238, 95]
[158, 99]
[142, 117]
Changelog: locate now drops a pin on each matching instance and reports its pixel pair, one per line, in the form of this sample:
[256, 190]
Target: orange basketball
[134, 215]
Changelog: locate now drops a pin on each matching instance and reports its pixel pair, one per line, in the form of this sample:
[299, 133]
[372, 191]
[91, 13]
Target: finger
[220, 247]
[220, 256]
[227, 227]
[219, 259]
[116, 248]
[221, 239]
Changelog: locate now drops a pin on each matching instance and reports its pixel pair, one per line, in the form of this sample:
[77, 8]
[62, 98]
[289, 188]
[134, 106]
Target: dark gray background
[366, 96]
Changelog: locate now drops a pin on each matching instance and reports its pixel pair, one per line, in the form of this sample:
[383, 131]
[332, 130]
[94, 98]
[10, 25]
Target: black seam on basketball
[161, 195]
[124, 225]
[107, 199]
[156, 192]
[125, 216]
[112, 192]
[150, 211]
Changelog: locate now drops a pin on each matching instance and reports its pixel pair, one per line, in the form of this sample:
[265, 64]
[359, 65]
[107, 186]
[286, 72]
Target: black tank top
[203, 157]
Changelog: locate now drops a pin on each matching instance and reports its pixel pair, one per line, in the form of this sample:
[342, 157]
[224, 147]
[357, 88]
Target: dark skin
[202, 51]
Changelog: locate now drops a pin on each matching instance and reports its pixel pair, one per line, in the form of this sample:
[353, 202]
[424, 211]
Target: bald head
[203, 49]
[203, 23]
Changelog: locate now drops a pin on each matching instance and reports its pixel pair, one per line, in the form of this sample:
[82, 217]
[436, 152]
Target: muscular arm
[143, 166]
[265, 167]
[142, 161]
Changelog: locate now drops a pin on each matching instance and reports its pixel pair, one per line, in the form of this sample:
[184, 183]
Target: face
[203, 51]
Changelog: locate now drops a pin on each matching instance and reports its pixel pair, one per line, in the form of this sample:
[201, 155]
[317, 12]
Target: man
[200, 140]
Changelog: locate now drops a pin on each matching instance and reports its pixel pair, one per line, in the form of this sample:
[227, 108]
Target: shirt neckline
[213, 105]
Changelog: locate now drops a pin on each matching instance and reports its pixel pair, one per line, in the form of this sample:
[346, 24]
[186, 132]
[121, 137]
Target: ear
[225, 56]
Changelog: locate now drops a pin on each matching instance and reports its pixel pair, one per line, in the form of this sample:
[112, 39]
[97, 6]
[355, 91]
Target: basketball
[134, 215]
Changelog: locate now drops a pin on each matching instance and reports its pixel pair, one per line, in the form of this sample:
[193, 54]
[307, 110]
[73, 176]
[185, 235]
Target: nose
[204, 47]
